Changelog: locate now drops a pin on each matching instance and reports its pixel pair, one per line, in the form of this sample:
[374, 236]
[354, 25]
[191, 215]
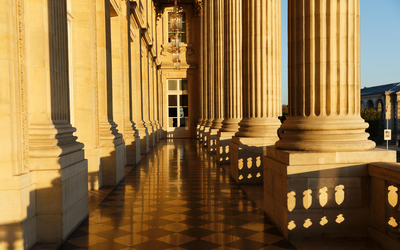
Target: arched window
[379, 105]
[362, 105]
[370, 104]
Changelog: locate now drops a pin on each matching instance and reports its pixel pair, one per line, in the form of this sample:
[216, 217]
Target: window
[178, 103]
[182, 33]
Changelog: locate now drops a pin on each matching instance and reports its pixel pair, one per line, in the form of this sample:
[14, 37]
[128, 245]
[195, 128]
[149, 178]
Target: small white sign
[387, 134]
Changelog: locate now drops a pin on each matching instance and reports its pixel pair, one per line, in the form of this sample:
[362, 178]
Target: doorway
[178, 108]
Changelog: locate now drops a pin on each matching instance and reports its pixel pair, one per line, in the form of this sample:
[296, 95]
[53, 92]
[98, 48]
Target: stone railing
[385, 204]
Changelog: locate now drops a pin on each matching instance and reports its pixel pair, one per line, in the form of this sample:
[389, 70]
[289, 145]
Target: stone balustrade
[385, 204]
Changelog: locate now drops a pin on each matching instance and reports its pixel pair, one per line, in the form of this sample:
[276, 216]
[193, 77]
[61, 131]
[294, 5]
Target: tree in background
[373, 117]
[285, 109]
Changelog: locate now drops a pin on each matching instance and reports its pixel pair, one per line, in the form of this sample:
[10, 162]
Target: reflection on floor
[177, 198]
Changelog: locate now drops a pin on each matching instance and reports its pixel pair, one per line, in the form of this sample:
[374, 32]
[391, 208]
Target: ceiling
[162, 4]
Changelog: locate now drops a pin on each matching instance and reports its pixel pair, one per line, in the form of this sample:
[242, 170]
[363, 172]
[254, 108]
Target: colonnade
[323, 144]
[324, 82]
[242, 101]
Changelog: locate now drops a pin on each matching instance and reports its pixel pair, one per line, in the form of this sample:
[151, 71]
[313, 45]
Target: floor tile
[177, 227]
[200, 245]
[221, 238]
[131, 239]
[176, 239]
[107, 246]
[112, 234]
[256, 226]
[216, 226]
[88, 240]
[197, 232]
[284, 244]
[246, 244]
[155, 233]
[153, 244]
[234, 221]
[265, 238]
[240, 232]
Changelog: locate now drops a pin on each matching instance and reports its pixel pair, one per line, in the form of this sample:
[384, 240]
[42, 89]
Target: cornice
[137, 11]
[145, 34]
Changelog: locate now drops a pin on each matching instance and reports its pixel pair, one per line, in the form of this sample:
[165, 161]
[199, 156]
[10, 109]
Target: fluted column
[209, 89]
[233, 66]
[232, 83]
[261, 88]
[205, 67]
[218, 74]
[210, 63]
[324, 78]
[201, 83]
[262, 69]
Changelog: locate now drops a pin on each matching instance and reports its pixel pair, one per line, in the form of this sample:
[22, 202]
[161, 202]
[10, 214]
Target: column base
[61, 182]
[132, 144]
[206, 134]
[95, 176]
[198, 131]
[143, 135]
[320, 194]
[224, 139]
[201, 133]
[152, 135]
[61, 195]
[20, 194]
[158, 132]
[246, 159]
[212, 140]
[112, 163]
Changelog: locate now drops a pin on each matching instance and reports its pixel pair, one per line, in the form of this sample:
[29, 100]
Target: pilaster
[110, 141]
[56, 158]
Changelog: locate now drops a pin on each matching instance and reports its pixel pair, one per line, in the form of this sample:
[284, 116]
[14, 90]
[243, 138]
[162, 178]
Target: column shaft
[208, 43]
[233, 66]
[210, 64]
[261, 69]
[218, 74]
[201, 83]
[204, 64]
[261, 89]
[218, 64]
[324, 78]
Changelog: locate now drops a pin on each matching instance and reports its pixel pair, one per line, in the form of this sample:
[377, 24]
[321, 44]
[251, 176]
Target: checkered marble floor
[177, 198]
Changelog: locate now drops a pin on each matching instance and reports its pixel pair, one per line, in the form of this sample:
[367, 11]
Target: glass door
[178, 108]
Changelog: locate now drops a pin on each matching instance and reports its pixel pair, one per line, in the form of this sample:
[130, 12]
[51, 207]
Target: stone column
[201, 83]
[316, 178]
[261, 88]
[218, 74]
[324, 79]
[233, 79]
[209, 88]
[204, 37]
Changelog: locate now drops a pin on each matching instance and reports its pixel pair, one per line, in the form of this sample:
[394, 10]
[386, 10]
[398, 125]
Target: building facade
[384, 98]
[87, 86]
